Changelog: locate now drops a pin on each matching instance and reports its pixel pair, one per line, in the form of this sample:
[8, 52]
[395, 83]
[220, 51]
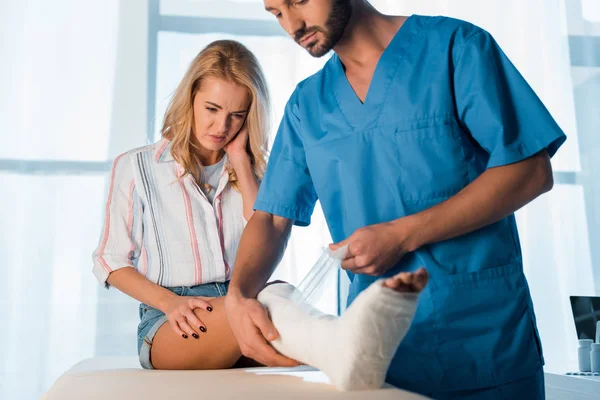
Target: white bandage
[355, 350]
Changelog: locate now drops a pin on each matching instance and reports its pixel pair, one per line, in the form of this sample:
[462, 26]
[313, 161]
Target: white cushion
[116, 378]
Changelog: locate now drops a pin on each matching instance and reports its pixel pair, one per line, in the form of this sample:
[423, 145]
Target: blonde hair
[229, 60]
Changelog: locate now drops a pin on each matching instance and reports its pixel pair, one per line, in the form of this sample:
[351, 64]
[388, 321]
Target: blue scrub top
[445, 103]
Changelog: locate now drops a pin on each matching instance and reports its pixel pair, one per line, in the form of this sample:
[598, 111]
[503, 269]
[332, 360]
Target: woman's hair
[232, 61]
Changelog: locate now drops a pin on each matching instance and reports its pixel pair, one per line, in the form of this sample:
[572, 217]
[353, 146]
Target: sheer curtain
[84, 81]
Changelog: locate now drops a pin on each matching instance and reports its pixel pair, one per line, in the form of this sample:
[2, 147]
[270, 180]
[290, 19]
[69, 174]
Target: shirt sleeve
[119, 245]
[287, 189]
[498, 107]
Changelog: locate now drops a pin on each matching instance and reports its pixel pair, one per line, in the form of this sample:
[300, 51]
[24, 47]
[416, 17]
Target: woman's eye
[211, 109]
[238, 116]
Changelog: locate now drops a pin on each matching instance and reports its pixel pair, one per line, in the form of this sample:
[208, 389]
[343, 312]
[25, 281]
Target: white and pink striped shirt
[165, 227]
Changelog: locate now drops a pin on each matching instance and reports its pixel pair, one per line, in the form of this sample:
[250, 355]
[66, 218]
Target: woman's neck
[209, 157]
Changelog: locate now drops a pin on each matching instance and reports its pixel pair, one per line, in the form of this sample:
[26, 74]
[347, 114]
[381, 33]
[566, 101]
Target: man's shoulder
[315, 80]
[453, 31]
[448, 25]
[312, 87]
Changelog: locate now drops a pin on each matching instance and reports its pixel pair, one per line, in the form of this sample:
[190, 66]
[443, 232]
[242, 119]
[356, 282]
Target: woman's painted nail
[203, 329]
[184, 336]
[195, 335]
[209, 309]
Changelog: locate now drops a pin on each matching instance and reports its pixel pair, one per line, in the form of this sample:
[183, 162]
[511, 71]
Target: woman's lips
[218, 139]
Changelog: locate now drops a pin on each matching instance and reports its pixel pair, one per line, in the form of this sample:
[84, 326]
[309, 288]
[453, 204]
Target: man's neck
[367, 35]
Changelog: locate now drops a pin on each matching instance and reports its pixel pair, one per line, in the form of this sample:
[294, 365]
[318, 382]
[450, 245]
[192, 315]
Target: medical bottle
[583, 354]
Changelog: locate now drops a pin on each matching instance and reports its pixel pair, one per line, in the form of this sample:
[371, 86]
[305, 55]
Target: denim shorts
[151, 319]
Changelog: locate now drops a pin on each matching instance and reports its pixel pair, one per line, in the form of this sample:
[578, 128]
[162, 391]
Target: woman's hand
[181, 316]
[236, 148]
[241, 163]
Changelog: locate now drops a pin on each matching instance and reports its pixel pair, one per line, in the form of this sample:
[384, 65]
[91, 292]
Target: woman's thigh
[216, 348]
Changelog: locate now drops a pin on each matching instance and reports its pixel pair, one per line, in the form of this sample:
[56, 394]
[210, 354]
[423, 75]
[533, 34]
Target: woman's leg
[354, 351]
[305, 332]
[214, 349]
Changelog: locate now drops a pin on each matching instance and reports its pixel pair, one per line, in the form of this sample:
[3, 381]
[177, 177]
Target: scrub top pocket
[432, 163]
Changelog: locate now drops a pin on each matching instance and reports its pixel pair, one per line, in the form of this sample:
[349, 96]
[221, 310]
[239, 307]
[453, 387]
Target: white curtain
[75, 83]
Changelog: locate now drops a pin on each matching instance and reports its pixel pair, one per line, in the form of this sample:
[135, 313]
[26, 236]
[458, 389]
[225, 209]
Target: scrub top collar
[361, 114]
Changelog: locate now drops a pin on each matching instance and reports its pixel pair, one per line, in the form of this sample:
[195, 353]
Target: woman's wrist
[243, 170]
[240, 163]
[165, 298]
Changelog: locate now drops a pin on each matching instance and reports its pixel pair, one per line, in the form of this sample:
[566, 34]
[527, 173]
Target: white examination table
[115, 378]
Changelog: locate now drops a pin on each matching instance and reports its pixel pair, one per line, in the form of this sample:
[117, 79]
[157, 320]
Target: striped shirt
[165, 227]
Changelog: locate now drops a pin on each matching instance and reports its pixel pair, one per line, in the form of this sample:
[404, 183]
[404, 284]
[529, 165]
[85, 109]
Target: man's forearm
[495, 194]
[261, 247]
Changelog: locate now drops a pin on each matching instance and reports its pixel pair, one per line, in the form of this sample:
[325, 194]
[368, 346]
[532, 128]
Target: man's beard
[338, 19]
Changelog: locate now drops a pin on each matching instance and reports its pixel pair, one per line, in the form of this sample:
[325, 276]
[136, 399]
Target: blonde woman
[175, 215]
[176, 210]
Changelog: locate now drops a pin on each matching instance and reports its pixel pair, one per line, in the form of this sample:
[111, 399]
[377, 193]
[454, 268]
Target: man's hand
[374, 249]
[253, 329]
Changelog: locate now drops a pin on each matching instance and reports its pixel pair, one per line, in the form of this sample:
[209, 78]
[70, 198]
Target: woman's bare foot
[408, 282]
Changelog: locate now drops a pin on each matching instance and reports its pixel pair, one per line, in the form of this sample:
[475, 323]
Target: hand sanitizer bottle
[583, 355]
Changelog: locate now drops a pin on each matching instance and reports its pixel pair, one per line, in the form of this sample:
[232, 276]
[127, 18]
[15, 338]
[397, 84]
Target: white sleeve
[118, 246]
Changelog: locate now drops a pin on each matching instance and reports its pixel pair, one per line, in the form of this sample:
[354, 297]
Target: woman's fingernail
[209, 309]
[184, 336]
[203, 329]
[195, 335]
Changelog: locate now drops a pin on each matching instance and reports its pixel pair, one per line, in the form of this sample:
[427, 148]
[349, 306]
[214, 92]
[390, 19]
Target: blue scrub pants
[530, 388]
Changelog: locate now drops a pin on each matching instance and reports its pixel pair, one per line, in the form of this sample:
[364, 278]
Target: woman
[176, 210]
[175, 214]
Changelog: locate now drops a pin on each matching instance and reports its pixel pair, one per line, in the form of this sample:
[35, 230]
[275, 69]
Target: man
[421, 140]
